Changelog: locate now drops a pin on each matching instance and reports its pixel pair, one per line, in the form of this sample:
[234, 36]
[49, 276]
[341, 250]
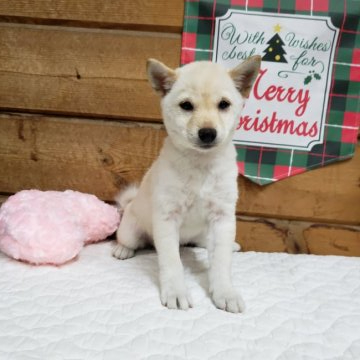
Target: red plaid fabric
[265, 165]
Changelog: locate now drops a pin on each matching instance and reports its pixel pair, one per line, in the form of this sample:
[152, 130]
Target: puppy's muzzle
[207, 137]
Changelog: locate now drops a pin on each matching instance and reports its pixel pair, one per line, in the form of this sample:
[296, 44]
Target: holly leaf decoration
[317, 76]
[307, 79]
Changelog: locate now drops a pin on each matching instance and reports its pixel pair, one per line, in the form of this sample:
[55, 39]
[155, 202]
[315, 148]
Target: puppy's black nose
[207, 135]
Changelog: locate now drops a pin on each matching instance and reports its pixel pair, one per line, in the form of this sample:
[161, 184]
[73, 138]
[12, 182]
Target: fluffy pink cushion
[51, 227]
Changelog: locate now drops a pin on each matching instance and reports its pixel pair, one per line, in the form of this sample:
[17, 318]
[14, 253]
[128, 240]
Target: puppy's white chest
[194, 220]
[199, 206]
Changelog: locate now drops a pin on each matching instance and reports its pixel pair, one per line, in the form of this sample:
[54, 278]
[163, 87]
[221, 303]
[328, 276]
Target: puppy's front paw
[228, 300]
[175, 297]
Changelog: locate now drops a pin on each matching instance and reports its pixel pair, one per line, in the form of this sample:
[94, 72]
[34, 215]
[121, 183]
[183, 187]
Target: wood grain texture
[330, 194]
[102, 156]
[260, 235]
[72, 71]
[324, 240]
[90, 156]
[156, 15]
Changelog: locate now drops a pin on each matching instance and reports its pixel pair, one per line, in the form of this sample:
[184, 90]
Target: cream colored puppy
[190, 192]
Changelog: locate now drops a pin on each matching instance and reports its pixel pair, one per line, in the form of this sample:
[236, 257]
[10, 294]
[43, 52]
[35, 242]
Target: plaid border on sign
[265, 165]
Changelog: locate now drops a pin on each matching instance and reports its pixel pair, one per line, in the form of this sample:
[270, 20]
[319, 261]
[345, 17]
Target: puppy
[190, 192]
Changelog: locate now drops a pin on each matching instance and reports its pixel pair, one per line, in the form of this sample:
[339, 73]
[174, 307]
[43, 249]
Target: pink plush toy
[51, 227]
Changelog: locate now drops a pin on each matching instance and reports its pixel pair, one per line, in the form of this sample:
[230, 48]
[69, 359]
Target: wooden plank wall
[76, 111]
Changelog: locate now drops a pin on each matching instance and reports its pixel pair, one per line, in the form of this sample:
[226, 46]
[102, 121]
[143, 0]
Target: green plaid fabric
[265, 165]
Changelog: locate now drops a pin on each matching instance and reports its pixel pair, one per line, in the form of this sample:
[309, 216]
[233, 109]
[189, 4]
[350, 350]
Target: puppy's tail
[126, 196]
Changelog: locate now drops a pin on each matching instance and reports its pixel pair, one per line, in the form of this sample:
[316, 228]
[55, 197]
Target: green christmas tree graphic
[275, 52]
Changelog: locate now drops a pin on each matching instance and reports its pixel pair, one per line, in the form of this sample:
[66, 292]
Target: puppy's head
[202, 101]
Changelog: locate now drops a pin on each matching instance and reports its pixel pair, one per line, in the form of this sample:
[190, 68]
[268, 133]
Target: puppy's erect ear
[245, 74]
[160, 76]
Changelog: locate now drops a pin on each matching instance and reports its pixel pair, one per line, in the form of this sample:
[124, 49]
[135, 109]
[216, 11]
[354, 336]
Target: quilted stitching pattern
[298, 307]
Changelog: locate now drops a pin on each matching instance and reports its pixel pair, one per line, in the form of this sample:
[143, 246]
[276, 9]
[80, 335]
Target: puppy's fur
[190, 192]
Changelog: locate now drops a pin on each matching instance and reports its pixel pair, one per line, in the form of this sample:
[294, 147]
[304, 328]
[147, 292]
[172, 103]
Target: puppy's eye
[223, 104]
[187, 106]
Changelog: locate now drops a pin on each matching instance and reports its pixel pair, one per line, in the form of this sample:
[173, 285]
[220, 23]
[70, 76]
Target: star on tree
[277, 28]
[275, 52]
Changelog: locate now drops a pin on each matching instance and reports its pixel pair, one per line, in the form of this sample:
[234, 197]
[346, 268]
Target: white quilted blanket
[298, 307]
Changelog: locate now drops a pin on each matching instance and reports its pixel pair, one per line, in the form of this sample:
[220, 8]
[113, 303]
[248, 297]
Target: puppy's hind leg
[128, 236]
[236, 247]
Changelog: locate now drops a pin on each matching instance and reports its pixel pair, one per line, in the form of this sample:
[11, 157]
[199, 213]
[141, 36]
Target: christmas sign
[303, 109]
[287, 107]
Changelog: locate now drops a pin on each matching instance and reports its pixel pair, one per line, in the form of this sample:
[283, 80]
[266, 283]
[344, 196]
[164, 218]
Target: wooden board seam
[282, 222]
[300, 219]
[120, 31]
[128, 123]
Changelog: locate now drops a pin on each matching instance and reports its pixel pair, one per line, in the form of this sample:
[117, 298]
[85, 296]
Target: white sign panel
[288, 103]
